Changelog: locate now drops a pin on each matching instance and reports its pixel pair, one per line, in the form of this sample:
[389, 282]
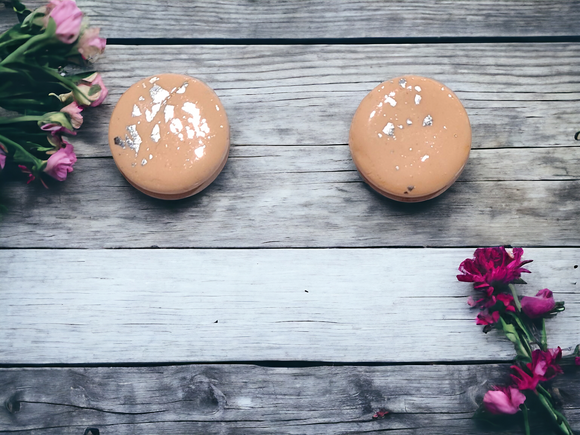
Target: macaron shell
[410, 138]
[169, 135]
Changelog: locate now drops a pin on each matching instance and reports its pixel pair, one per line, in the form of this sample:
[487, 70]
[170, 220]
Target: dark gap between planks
[344, 41]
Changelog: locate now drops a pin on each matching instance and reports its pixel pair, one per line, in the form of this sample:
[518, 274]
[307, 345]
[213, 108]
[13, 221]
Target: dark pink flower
[85, 86]
[25, 170]
[68, 18]
[61, 163]
[542, 368]
[540, 305]
[503, 400]
[91, 46]
[486, 318]
[55, 129]
[74, 111]
[492, 267]
[577, 360]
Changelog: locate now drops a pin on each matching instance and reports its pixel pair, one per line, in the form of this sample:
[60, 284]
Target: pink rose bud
[74, 111]
[91, 46]
[68, 18]
[503, 400]
[538, 306]
[61, 163]
[92, 80]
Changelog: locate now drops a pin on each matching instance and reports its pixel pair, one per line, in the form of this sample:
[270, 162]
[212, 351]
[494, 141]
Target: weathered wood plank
[304, 197]
[228, 399]
[393, 305]
[327, 19]
[516, 95]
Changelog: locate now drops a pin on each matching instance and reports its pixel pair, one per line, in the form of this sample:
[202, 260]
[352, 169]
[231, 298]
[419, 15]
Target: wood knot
[12, 405]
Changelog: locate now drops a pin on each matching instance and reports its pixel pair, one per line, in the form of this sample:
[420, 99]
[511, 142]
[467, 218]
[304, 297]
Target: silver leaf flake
[391, 101]
[417, 99]
[418, 88]
[153, 79]
[120, 142]
[428, 121]
[409, 122]
[403, 82]
[136, 111]
[135, 138]
[158, 94]
[155, 135]
[389, 129]
[181, 90]
[143, 162]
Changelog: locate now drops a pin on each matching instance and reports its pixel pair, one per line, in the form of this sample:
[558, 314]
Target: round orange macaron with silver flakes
[410, 138]
[169, 136]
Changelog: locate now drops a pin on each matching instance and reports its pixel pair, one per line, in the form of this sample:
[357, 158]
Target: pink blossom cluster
[507, 400]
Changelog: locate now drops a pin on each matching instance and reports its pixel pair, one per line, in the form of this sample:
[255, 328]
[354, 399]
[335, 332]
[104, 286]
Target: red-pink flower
[492, 267]
[92, 80]
[61, 163]
[68, 18]
[503, 400]
[577, 360]
[543, 303]
[486, 318]
[27, 171]
[542, 368]
[74, 111]
[90, 44]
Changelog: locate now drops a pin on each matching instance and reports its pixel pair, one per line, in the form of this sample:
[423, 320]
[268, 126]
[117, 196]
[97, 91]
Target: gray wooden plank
[248, 399]
[304, 197]
[353, 305]
[328, 19]
[516, 95]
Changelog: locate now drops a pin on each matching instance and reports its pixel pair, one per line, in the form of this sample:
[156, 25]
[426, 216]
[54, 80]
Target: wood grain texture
[247, 399]
[353, 305]
[304, 197]
[516, 95]
[299, 19]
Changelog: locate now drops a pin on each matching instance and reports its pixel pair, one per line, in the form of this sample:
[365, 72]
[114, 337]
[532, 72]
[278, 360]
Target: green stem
[544, 339]
[556, 417]
[4, 121]
[526, 419]
[18, 149]
[13, 57]
[516, 299]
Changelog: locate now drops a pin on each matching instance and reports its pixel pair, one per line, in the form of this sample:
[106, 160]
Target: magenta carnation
[492, 267]
[540, 305]
[61, 162]
[68, 18]
[503, 400]
[542, 368]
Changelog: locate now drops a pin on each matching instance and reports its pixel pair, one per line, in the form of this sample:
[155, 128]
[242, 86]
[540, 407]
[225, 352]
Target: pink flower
[92, 80]
[91, 45]
[61, 163]
[503, 400]
[68, 18]
[542, 368]
[492, 267]
[486, 318]
[55, 129]
[74, 111]
[543, 303]
[577, 360]
[2, 157]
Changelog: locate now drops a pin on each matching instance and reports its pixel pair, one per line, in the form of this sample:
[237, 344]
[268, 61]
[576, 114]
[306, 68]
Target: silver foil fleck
[391, 101]
[428, 121]
[136, 111]
[141, 98]
[417, 99]
[120, 142]
[389, 129]
[158, 94]
[403, 82]
[409, 122]
[153, 79]
[143, 162]
[135, 138]
[155, 135]
[181, 90]
[418, 88]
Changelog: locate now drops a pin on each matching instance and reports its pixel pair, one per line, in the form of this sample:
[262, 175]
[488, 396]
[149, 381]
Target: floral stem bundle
[40, 100]
[494, 273]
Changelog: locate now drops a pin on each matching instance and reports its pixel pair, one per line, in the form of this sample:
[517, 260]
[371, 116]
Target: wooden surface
[288, 297]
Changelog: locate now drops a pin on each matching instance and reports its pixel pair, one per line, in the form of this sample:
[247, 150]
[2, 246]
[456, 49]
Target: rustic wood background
[289, 297]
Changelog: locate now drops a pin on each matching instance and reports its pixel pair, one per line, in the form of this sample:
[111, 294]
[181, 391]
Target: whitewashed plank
[304, 197]
[231, 399]
[328, 19]
[516, 95]
[354, 305]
